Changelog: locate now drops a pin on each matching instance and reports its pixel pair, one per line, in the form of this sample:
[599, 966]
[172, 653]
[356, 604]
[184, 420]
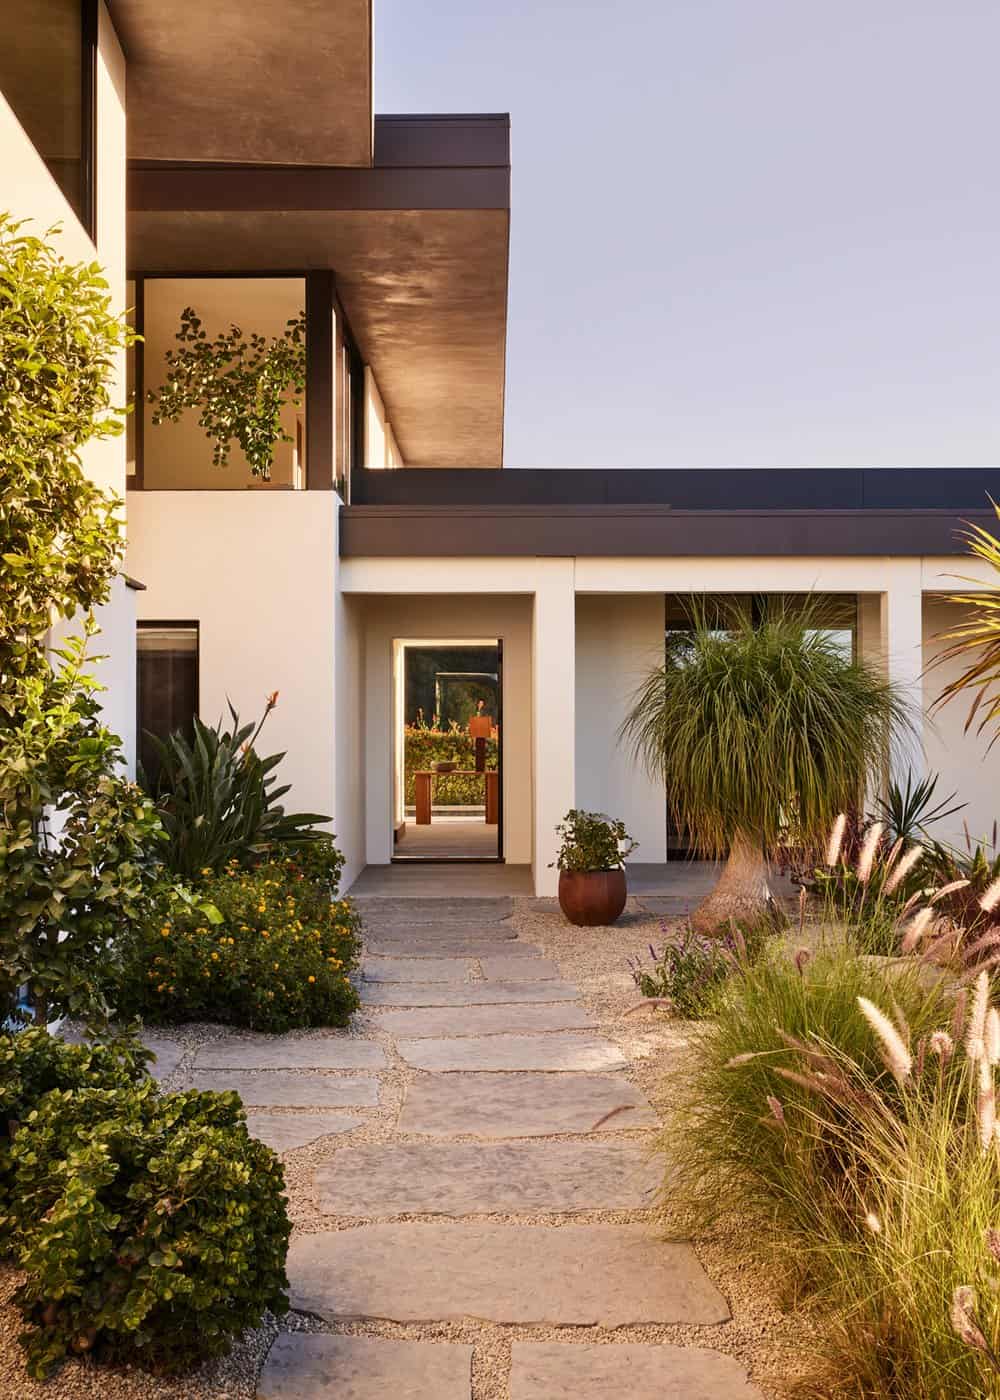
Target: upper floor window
[47, 74]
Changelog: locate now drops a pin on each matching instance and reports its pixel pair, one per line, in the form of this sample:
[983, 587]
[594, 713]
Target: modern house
[389, 525]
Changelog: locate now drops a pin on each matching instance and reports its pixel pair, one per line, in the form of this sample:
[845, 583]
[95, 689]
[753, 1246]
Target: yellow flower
[264, 933]
[312, 979]
[275, 967]
[206, 870]
[215, 957]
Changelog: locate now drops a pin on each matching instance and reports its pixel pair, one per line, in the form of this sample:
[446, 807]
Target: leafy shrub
[279, 958]
[592, 841]
[688, 973]
[218, 800]
[424, 747]
[60, 901]
[152, 1228]
[32, 1063]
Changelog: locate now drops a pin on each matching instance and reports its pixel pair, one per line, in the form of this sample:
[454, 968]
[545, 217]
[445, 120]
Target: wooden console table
[423, 785]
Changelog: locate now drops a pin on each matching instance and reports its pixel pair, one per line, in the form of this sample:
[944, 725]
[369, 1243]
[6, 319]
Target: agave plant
[218, 800]
[758, 732]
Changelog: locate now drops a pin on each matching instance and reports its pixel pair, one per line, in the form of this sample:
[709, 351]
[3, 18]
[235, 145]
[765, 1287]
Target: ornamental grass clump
[152, 1228]
[854, 1111]
[280, 956]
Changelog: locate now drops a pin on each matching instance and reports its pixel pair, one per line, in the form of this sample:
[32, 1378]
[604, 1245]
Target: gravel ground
[772, 1343]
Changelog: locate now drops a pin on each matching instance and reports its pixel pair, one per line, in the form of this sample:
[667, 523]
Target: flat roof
[418, 244]
[283, 81]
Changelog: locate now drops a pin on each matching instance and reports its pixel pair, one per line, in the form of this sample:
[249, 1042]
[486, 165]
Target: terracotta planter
[592, 897]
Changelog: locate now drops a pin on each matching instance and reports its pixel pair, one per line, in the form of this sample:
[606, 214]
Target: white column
[553, 680]
[903, 649]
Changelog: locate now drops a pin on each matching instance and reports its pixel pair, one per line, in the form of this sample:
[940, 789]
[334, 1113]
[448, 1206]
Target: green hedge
[425, 747]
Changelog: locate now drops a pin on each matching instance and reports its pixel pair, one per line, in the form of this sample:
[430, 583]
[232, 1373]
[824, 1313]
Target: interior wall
[256, 572]
[618, 640]
[381, 447]
[428, 616]
[178, 456]
[964, 761]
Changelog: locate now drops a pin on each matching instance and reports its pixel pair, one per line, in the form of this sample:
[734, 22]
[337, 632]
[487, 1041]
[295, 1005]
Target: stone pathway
[486, 1196]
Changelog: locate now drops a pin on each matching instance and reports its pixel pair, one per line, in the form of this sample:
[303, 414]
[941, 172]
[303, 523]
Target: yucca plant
[976, 641]
[761, 734]
[218, 801]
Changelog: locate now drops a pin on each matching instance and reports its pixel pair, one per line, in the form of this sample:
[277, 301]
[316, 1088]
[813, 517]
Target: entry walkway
[494, 1240]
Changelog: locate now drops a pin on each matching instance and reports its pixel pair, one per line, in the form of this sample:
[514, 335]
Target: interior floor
[448, 838]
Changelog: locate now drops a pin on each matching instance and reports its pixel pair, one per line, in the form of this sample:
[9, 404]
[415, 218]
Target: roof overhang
[286, 81]
[418, 245]
[413, 532]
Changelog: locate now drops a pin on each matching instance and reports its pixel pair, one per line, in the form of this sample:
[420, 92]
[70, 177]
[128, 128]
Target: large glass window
[166, 685]
[47, 75]
[222, 379]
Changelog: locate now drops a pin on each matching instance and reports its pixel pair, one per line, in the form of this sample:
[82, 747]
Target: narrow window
[166, 685]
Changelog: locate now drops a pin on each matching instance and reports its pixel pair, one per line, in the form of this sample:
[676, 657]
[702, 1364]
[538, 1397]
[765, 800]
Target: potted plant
[591, 863]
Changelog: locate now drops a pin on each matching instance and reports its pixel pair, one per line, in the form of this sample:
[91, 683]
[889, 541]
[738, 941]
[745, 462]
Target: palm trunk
[742, 891]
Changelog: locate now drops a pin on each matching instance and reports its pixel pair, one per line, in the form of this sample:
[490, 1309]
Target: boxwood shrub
[32, 1063]
[279, 959]
[152, 1228]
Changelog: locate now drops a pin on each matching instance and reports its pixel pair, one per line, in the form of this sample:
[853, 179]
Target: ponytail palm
[760, 732]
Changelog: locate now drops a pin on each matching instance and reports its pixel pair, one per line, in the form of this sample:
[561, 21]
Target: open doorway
[448, 750]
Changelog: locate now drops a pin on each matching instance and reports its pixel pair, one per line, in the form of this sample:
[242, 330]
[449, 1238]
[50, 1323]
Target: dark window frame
[90, 45]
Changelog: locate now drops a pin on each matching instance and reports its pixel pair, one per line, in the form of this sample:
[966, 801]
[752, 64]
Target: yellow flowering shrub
[280, 957]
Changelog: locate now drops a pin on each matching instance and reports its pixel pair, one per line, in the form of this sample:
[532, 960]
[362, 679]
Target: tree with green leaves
[239, 387]
[76, 839]
[762, 731]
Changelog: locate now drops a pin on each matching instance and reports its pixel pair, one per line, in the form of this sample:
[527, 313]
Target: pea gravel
[771, 1342]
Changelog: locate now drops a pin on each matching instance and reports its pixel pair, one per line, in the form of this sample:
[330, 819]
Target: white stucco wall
[618, 640]
[389, 619]
[28, 192]
[349, 730]
[964, 761]
[256, 572]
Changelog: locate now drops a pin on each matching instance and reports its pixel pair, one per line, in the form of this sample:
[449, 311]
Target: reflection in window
[249, 321]
[166, 686]
[42, 76]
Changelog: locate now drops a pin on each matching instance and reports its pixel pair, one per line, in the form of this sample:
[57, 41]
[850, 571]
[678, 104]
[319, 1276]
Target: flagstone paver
[429, 1021]
[468, 994]
[304, 1367]
[283, 1131]
[445, 934]
[495, 1046]
[291, 1052]
[168, 1055]
[522, 1105]
[415, 969]
[562, 1051]
[438, 912]
[471, 1178]
[457, 948]
[289, 1089]
[522, 969]
[557, 1371]
[574, 1275]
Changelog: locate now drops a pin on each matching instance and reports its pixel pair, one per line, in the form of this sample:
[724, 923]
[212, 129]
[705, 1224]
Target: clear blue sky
[744, 232]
